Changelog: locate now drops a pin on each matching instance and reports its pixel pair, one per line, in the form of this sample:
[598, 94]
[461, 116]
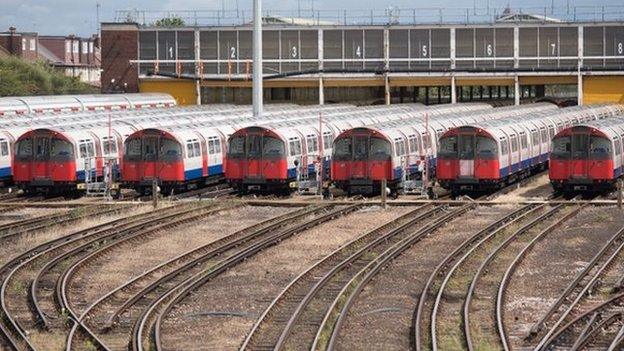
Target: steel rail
[183, 289]
[500, 325]
[356, 241]
[364, 277]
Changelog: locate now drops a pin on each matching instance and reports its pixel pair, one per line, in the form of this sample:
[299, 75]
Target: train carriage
[59, 159]
[399, 150]
[489, 155]
[588, 158]
[249, 170]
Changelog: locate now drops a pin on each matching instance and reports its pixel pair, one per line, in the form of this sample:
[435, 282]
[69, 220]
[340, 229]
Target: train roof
[39, 104]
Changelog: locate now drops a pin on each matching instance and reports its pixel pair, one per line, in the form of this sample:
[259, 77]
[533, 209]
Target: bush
[20, 78]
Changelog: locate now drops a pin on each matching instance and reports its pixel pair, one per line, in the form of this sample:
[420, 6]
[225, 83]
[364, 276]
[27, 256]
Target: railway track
[146, 331]
[292, 320]
[112, 310]
[139, 301]
[584, 293]
[473, 258]
[32, 225]
[30, 313]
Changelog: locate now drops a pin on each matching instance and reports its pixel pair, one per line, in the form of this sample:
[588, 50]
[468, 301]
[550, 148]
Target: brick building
[75, 56]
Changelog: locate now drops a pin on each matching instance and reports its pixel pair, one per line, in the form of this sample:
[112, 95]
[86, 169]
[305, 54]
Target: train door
[580, 155]
[359, 168]
[466, 144]
[150, 156]
[253, 163]
[214, 156]
[41, 167]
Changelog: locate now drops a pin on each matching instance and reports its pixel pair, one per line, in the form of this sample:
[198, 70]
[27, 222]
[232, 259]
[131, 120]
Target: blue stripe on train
[192, 174]
[5, 172]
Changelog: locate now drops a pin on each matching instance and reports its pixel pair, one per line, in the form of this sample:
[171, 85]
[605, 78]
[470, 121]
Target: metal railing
[388, 16]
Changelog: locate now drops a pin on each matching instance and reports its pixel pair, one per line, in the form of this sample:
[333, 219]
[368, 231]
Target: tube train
[363, 157]
[74, 103]
[192, 155]
[271, 157]
[37, 167]
[588, 158]
[489, 155]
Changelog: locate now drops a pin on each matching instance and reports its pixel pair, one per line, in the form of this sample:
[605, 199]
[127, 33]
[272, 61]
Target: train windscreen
[237, 147]
[273, 147]
[448, 147]
[600, 148]
[486, 147]
[61, 150]
[24, 149]
[170, 149]
[561, 148]
[342, 149]
[380, 149]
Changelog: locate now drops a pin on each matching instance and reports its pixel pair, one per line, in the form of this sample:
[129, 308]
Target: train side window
[551, 131]
[514, 143]
[535, 136]
[295, 146]
[504, 147]
[399, 145]
[83, 149]
[523, 140]
[4, 148]
[211, 147]
[197, 148]
[110, 146]
[618, 147]
[328, 138]
[190, 151]
[544, 134]
[312, 142]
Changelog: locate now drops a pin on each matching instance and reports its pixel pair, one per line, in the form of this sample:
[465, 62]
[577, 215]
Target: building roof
[295, 21]
[508, 16]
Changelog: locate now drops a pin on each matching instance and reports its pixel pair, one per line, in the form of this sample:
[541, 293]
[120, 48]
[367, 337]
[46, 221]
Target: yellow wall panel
[182, 90]
[548, 80]
[603, 89]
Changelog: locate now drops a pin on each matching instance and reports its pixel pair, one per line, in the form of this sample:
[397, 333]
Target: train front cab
[582, 161]
[361, 159]
[45, 161]
[468, 161]
[257, 161]
[150, 155]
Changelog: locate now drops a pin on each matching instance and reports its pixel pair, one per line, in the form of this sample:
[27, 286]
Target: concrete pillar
[453, 91]
[581, 54]
[257, 89]
[197, 67]
[453, 51]
[516, 47]
[517, 90]
[386, 47]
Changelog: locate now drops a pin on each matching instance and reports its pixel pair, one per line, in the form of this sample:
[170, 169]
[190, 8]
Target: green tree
[173, 21]
[19, 78]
